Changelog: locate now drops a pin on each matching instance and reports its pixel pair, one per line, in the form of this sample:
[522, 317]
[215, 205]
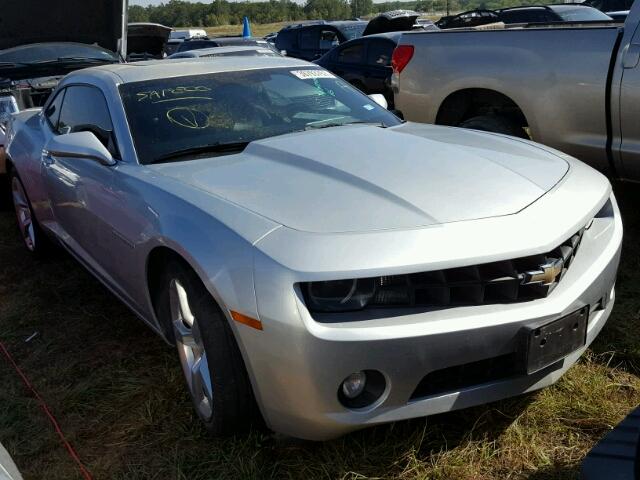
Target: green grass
[117, 391]
[257, 29]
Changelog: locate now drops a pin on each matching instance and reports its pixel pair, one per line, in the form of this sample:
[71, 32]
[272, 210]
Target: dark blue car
[365, 63]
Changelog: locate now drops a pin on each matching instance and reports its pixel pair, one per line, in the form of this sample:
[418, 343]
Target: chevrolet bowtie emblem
[546, 275]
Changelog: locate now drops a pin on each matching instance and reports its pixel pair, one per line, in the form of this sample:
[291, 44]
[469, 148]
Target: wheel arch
[157, 260]
[470, 102]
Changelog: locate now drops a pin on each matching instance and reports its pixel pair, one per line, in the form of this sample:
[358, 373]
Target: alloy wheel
[191, 351]
[23, 214]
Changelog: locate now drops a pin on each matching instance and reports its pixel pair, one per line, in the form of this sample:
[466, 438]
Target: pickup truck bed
[560, 84]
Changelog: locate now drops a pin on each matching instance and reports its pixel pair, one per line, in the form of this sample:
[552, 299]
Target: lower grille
[521, 279]
[457, 378]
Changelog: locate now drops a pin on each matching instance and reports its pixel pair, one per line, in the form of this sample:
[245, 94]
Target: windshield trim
[142, 160]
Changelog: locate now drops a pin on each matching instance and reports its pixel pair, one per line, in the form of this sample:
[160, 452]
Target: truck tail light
[401, 57]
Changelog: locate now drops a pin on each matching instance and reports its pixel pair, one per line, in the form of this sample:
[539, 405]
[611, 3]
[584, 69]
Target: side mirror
[80, 145]
[379, 99]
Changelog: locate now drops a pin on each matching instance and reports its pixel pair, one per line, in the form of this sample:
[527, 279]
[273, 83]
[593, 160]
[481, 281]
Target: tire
[32, 235]
[496, 124]
[5, 193]
[213, 367]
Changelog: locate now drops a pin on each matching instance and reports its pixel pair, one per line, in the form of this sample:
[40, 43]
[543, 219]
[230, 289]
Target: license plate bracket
[550, 342]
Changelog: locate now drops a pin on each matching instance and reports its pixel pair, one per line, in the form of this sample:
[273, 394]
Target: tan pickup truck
[575, 87]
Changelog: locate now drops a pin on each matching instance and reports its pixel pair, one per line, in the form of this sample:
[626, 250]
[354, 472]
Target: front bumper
[297, 364]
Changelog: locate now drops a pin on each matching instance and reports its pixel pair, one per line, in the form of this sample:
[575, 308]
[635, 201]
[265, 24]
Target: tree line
[180, 13]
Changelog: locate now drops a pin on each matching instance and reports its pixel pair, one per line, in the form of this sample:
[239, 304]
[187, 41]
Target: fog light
[354, 384]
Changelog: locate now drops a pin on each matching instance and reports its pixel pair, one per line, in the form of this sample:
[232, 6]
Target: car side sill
[114, 291]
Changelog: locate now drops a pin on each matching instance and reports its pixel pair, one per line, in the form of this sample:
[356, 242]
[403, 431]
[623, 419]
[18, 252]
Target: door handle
[47, 159]
[631, 57]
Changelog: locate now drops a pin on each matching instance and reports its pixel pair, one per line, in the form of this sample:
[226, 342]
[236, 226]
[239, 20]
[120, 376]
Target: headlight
[606, 211]
[356, 294]
[338, 295]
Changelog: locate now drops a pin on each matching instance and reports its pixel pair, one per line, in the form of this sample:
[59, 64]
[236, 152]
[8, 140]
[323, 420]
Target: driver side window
[85, 110]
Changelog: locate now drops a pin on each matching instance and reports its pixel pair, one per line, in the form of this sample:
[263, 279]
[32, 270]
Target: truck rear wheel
[496, 124]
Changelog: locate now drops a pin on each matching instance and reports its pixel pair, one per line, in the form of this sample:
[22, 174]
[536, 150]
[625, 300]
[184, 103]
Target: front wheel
[496, 124]
[213, 367]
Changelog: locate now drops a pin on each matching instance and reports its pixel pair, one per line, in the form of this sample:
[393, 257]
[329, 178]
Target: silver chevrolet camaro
[317, 262]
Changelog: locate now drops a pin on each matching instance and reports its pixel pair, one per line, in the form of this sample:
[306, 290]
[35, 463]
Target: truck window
[328, 39]
[351, 54]
[308, 39]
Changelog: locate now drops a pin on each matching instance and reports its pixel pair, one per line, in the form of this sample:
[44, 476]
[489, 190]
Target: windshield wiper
[317, 126]
[231, 147]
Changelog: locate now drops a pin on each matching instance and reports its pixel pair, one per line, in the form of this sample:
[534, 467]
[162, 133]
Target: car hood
[394, 21]
[365, 178]
[24, 22]
[148, 38]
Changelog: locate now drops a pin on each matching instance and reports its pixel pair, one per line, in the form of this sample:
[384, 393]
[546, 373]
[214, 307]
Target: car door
[309, 43]
[32, 176]
[350, 63]
[629, 143]
[78, 189]
[377, 68]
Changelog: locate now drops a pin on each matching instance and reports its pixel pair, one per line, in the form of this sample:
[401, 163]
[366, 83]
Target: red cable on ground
[85, 473]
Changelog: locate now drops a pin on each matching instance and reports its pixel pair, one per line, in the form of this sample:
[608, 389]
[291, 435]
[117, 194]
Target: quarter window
[351, 54]
[52, 113]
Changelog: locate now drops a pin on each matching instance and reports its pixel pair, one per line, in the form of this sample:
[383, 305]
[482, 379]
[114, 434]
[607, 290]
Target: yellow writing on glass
[175, 93]
[188, 118]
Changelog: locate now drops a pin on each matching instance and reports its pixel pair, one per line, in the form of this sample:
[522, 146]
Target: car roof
[560, 7]
[201, 52]
[182, 67]
[334, 23]
[394, 36]
[569, 6]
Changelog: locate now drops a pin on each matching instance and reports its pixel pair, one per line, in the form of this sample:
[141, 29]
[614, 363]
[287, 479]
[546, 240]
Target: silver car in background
[315, 260]
[234, 50]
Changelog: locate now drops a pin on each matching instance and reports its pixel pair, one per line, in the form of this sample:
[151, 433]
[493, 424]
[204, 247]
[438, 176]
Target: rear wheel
[213, 367]
[33, 237]
[496, 124]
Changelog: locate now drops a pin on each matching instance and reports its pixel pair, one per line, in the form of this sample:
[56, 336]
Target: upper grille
[521, 279]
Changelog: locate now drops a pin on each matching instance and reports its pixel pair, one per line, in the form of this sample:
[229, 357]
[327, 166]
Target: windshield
[581, 14]
[48, 52]
[179, 114]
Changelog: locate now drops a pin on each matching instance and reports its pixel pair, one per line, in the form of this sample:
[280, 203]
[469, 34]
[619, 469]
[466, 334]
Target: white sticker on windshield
[368, 106]
[306, 74]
